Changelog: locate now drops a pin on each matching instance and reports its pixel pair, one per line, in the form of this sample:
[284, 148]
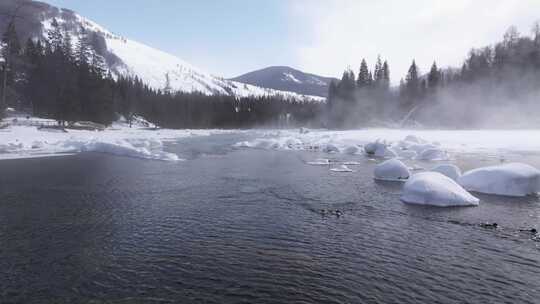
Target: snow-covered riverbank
[29, 141]
[24, 141]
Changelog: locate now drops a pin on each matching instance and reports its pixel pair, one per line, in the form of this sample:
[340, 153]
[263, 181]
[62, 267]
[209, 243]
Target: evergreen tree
[378, 73]
[434, 77]
[168, 88]
[364, 78]
[536, 33]
[386, 76]
[347, 85]
[56, 38]
[412, 83]
[83, 48]
[11, 43]
[511, 36]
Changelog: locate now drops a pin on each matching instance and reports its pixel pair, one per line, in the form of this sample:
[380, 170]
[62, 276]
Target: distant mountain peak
[287, 79]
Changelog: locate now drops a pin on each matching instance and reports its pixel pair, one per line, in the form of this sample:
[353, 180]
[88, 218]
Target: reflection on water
[232, 226]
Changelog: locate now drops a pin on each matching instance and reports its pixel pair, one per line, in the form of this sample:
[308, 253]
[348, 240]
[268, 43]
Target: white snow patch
[289, 76]
[435, 189]
[514, 179]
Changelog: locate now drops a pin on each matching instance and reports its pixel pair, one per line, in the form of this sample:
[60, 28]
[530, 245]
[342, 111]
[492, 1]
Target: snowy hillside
[126, 57]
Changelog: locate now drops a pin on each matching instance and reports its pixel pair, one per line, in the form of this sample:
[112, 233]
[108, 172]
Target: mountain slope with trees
[127, 58]
[66, 79]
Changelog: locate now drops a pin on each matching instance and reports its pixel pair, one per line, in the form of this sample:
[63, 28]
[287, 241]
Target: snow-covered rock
[330, 148]
[293, 143]
[433, 154]
[513, 179]
[392, 170]
[351, 150]
[452, 171]
[435, 189]
[371, 148]
[379, 149]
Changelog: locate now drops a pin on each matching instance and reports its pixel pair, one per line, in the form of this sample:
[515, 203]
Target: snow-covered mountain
[288, 79]
[125, 57]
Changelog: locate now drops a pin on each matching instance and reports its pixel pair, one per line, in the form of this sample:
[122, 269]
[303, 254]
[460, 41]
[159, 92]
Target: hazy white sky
[230, 38]
[339, 33]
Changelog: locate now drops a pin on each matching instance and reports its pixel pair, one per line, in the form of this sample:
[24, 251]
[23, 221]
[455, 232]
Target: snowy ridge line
[153, 66]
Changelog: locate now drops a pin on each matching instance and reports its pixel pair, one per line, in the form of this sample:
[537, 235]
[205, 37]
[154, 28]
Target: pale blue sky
[224, 37]
[231, 37]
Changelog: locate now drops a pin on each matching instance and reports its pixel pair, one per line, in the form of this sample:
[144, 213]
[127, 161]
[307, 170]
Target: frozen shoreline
[29, 142]
[18, 142]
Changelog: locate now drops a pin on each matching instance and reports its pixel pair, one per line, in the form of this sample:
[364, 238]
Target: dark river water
[244, 226]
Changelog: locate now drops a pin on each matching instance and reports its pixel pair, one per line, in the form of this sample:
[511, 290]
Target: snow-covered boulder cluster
[392, 170]
[444, 185]
[411, 147]
[436, 189]
[514, 179]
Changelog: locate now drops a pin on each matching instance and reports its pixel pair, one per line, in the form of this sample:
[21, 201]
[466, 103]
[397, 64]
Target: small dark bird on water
[533, 230]
[488, 225]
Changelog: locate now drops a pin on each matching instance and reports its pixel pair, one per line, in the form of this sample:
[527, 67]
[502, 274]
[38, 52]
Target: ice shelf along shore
[27, 141]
